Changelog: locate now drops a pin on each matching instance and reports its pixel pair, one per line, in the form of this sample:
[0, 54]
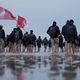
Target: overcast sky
[41, 13]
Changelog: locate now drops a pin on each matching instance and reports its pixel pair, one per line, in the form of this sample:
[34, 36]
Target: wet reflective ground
[41, 67]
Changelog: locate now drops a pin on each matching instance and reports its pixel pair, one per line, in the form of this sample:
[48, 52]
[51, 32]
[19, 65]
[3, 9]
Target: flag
[21, 22]
[6, 14]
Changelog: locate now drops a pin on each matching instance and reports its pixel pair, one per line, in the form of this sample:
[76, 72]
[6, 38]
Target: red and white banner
[21, 22]
[6, 14]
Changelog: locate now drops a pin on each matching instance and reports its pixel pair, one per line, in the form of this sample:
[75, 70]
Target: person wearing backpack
[49, 44]
[25, 41]
[64, 33]
[70, 34]
[18, 39]
[31, 41]
[39, 43]
[15, 39]
[2, 39]
[20, 36]
[11, 40]
[45, 43]
[54, 31]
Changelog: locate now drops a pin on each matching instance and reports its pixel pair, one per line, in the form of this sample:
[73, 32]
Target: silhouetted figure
[53, 31]
[12, 40]
[45, 43]
[7, 43]
[64, 33]
[2, 39]
[18, 38]
[70, 34]
[61, 42]
[31, 41]
[25, 42]
[49, 44]
[15, 39]
[39, 43]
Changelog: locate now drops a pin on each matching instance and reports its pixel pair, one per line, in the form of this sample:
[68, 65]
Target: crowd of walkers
[67, 40]
[68, 35]
[17, 42]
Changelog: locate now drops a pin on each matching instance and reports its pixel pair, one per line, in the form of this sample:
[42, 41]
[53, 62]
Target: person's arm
[75, 31]
[48, 31]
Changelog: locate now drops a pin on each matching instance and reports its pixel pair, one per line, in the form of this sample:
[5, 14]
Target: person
[45, 43]
[7, 43]
[11, 39]
[54, 31]
[49, 44]
[31, 41]
[2, 39]
[39, 42]
[61, 42]
[18, 38]
[70, 34]
[79, 40]
[15, 39]
[64, 33]
[25, 41]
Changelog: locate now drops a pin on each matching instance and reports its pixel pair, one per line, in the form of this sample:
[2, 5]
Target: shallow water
[41, 67]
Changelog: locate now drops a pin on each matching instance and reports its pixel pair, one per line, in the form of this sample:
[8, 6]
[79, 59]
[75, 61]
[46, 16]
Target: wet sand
[38, 66]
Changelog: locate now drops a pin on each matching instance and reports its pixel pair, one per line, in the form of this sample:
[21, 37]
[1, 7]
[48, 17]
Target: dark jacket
[66, 34]
[53, 33]
[2, 34]
[31, 39]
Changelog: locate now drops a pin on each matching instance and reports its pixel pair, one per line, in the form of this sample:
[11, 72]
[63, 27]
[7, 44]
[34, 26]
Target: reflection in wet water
[37, 68]
[2, 70]
[69, 73]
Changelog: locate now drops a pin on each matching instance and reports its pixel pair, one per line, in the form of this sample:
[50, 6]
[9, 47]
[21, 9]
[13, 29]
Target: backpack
[45, 41]
[52, 31]
[31, 38]
[70, 30]
[17, 35]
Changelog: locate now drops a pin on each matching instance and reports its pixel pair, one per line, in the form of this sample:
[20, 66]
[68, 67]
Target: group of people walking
[67, 39]
[17, 42]
[70, 35]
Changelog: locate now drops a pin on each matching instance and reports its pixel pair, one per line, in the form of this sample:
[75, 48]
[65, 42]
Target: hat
[31, 30]
[54, 22]
[71, 20]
